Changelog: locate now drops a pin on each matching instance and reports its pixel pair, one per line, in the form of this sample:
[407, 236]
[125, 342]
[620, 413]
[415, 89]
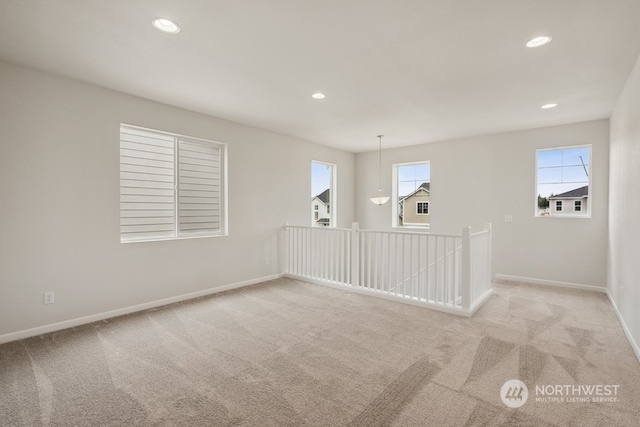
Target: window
[563, 175]
[422, 208]
[411, 194]
[171, 186]
[323, 195]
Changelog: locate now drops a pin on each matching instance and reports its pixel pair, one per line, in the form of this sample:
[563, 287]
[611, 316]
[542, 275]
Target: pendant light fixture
[380, 199]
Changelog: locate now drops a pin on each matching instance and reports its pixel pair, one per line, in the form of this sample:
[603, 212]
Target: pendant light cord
[380, 165]
[379, 200]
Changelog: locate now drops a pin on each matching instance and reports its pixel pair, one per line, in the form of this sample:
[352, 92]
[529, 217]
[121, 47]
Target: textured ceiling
[416, 71]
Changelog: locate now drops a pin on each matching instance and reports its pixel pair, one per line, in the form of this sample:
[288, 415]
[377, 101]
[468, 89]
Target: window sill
[165, 239]
[411, 227]
[565, 216]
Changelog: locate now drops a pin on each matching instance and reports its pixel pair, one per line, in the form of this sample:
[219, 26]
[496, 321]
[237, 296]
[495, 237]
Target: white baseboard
[39, 330]
[528, 280]
[553, 283]
[627, 332]
[480, 302]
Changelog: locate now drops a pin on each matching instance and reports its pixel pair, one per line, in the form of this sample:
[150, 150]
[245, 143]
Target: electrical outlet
[508, 218]
[266, 260]
[49, 298]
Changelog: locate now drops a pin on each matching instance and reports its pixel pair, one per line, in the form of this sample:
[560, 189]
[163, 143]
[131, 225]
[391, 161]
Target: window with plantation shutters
[199, 187]
[171, 186]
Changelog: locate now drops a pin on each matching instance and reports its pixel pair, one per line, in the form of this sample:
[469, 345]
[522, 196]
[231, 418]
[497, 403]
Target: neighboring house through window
[574, 198]
[321, 212]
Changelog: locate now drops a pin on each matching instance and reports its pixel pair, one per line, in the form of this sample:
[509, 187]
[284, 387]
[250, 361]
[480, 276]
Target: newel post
[355, 254]
[487, 227]
[284, 248]
[465, 290]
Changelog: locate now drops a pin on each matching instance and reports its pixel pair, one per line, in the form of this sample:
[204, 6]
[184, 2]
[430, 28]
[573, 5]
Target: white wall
[624, 206]
[482, 179]
[59, 202]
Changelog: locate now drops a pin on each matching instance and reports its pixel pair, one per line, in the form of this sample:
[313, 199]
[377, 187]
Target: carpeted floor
[288, 353]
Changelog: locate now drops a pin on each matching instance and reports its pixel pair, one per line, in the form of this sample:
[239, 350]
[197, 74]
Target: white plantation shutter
[147, 185]
[170, 186]
[199, 187]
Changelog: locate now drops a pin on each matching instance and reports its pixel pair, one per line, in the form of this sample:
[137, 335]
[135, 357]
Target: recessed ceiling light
[546, 106]
[166, 25]
[318, 95]
[538, 41]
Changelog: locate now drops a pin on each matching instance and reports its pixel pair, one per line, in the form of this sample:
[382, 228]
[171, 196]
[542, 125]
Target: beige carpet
[288, 353]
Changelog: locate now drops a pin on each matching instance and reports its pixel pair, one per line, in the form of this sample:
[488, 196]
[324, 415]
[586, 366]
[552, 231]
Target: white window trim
[224, 224]
[583, 214]
[394, 198]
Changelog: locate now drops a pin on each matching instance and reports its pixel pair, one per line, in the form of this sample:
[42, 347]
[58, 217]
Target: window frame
[395, 198]
[180, 141]
[584, 213]
[333, 197]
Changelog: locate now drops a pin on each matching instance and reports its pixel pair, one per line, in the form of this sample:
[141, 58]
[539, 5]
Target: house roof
[578, 192]
[324, 196]
[424, 186]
